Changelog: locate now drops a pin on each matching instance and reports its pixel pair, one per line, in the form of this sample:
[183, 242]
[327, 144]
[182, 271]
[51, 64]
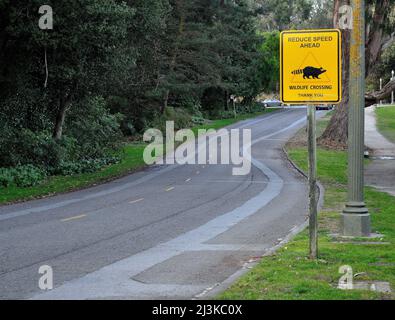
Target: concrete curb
[221, 287]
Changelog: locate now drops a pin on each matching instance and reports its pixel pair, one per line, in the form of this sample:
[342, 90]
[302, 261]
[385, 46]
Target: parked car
[268, 103]
[325, 107]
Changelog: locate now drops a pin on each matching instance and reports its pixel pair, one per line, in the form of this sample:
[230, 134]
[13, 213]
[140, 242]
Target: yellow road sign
[311, 69]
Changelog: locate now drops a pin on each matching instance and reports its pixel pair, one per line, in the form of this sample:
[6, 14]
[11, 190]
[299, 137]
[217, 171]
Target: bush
[23, 146]
[198, 120]
[226, 114]
[22, 176]
[94, 128]
[6, 177]
[182, 119]
[69, 168]
[28, 176]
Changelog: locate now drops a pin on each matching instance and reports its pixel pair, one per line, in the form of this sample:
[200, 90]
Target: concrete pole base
[355, 220]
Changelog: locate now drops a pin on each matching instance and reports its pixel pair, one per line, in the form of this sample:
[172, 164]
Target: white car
[271, 103]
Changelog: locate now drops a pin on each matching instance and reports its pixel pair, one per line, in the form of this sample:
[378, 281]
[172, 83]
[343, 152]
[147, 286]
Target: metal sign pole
[313, 201]
[310, 73]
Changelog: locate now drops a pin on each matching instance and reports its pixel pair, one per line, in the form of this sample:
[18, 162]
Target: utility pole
[313, 202]
[356, 217]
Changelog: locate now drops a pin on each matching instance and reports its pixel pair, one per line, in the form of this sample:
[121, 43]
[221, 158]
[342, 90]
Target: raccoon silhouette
[309, 72]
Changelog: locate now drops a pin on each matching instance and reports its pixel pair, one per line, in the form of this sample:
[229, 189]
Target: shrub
[28, 176]
[198, 120]
[182, 119]
[22, 176]
[68, 168]
[6, 177]
[226, 114]
[23, 146]
[94, 128]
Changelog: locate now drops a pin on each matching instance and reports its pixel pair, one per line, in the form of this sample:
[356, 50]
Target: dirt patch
[332, 145]
[299, 140]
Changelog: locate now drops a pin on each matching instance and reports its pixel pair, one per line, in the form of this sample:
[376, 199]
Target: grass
[290, 275]
[221, 123]
[386, 122]
[132, 160]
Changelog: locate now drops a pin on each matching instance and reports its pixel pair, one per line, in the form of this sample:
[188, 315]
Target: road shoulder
[290, 274]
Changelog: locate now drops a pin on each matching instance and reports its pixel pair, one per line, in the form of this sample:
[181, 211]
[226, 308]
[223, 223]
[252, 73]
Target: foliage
[21, 176]
[131, 159]
[382, 69]
[83, 166]
[94, 129]
[23, 146]
[116, 68]
[269, 68]
[285, 14]
[182, 119]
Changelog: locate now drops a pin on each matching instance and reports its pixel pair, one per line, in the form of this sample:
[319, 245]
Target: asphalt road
[166, 232]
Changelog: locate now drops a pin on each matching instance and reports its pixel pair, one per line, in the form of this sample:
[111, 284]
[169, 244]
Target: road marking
[74, 218]
[112, 276]
[135, 201]
[187, 180]
[169, 189]
[125, 186]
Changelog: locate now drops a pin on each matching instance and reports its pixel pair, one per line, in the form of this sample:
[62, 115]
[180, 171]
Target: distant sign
[311, 70]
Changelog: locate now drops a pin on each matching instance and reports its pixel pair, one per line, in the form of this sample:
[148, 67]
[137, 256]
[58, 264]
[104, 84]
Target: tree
[378, 26]
[284, 14]
[336, 133]
[79, 56]
[134, 58]
[374, 97]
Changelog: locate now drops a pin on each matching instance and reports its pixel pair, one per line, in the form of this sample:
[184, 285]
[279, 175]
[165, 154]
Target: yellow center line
[74, 218]
[135, 201]
[169, 189]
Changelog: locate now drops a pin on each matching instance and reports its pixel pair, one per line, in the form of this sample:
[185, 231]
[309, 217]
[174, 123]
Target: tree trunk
[374, 97]
[336, 134]
[165, 102]
[60, 117]
[375, 36]
[226, 100]
[181, 26]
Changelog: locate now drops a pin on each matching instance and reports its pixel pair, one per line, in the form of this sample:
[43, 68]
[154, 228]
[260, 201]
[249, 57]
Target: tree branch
[374, 97]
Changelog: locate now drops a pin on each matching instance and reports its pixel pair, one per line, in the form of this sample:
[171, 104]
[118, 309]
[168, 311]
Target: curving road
[166, 232]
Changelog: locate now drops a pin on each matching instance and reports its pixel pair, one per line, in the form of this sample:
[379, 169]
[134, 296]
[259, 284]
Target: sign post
[311, 74]
[313, 200]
